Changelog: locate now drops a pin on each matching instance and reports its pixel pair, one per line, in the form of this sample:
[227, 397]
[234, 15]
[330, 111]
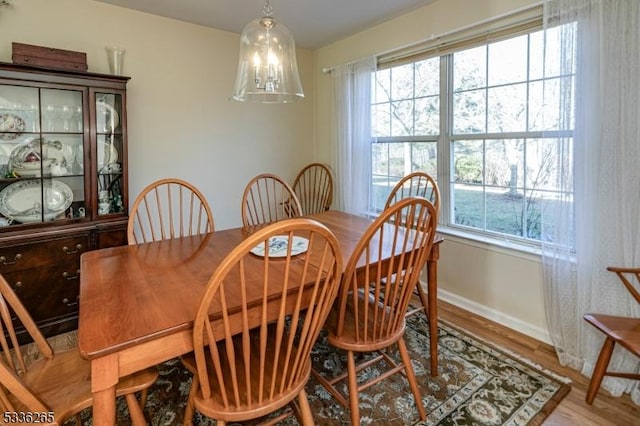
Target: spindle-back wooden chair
[167, 209]
[369, 315]
[267, 198]
[56, 386]
[314, 188]
[252, 372]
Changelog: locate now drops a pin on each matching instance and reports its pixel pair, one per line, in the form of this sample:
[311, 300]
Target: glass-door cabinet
[62, 152]
[110, 152]
[63, 182]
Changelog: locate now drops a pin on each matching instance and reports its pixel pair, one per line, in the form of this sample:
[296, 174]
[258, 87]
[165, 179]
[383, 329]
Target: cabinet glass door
[109, 151]
[41, 155]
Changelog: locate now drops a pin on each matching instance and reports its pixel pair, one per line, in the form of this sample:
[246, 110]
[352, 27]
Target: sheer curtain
[600, 41]
[352, 145]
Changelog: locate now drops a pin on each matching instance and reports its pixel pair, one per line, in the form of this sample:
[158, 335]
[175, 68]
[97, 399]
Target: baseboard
[496, 316]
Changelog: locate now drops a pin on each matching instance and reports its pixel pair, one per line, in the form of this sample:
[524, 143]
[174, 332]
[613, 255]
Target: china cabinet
[63, 182]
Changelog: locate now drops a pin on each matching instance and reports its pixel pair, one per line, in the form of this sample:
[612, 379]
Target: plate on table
[11, 126]
[278, 246]
[107, 118]
[22, 200]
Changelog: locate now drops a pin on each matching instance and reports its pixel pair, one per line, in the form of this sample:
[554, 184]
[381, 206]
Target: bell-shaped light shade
[267, 66]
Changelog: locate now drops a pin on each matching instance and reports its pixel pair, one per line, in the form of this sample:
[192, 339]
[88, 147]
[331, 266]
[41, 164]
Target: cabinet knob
[72, 251]
[70, 277]
[69, 303]
[4, 261]
[17, 285]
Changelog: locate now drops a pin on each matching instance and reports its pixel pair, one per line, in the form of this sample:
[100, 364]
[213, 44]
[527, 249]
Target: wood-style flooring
[605, 410]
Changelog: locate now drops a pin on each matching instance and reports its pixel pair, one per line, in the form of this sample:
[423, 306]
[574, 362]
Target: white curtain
[352, 145]
[600, 41]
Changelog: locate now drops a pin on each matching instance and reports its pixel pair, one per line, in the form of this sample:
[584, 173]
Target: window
[492, 112]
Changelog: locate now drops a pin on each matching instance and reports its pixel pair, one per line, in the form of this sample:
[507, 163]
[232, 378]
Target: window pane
[381, 120]
[469, 112]
[399, 159]
[507, 109]
[468, 201]
[402, 82]
[427, 77]
[402, 118]
[508, 61]
[549, 162]
[380, 158]
[467, 161]
[469, 69]
[424, 157]
[504, 163]
[428, 116]
[504, 211]
[382, 92]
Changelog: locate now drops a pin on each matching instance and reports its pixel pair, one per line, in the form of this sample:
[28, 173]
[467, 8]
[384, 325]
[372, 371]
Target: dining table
[138, 302]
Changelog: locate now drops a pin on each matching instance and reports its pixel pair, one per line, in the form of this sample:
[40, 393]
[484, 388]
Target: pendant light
[267, 66]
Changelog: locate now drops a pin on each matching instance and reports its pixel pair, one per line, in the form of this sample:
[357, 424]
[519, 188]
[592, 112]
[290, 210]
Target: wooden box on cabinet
[63, 182]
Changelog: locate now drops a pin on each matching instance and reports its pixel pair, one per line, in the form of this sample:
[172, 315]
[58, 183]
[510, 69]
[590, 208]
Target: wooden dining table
[138, 302]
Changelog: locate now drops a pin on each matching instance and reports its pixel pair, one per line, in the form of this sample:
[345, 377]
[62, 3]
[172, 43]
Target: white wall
[501, 284]
[181, 121]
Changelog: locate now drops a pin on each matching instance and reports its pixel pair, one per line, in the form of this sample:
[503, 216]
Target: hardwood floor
[572, 410]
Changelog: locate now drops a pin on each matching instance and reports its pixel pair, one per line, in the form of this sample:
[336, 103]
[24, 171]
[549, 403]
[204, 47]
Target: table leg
[432, 294]
[104, 378]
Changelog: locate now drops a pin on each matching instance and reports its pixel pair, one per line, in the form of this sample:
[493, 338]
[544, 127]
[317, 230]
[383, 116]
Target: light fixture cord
[267, 9]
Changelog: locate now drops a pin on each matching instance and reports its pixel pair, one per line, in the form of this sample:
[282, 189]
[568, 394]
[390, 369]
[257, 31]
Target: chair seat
[68, 371]
[216, 408]
[352, 336]
[624, 330]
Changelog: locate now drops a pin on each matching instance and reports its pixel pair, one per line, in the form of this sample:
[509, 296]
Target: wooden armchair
[60, 383]
[267, 198]
[369, 315]
[624, 331]
[167, 209]
[262, 361]
[314, 188]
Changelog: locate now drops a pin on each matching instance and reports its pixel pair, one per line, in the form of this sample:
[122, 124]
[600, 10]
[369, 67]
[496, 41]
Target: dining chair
[369, 314]
[417, 184]
[267, 198]
[295, 265]
[314, 188]
[166, 209]
[624, 331]
[56, 386]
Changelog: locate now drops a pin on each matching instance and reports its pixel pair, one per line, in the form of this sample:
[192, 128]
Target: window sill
[503, 246]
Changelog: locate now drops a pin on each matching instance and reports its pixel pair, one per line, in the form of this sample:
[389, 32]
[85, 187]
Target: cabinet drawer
[48, 292]
[44, 253]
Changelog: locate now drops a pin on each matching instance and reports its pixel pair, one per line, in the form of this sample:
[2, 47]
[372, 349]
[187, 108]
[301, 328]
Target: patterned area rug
[477, 384]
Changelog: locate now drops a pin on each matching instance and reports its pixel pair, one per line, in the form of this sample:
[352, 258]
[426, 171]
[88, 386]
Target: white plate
[51, 154]
[107, 118]
[278, 246]
[11, 123]
[22, 200]
[107, 154]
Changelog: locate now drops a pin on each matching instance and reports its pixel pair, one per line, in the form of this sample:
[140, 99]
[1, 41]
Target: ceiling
[313, 23]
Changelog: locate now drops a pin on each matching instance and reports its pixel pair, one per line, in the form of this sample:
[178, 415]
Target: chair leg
[305, 409]
[143, 397]
[413, 383]
[353, 389]
[190, 407]
[137, 416]
[600, 369]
